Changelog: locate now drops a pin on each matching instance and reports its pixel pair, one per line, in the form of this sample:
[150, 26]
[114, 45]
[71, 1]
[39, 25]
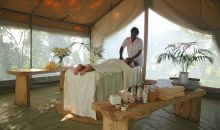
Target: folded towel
[169, 93]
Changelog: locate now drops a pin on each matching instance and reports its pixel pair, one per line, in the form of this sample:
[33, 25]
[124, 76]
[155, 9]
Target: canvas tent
[68, 15]
[99, 19]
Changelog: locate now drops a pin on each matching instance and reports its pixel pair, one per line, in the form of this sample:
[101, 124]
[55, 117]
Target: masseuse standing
[134, 47]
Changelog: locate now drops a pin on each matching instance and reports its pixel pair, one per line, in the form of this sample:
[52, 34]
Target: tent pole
[31, 37]
[33, 12]
[30, 23]
[146, 6]
[90, 44]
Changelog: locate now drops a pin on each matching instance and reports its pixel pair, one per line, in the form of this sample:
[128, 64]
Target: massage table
[81, 91]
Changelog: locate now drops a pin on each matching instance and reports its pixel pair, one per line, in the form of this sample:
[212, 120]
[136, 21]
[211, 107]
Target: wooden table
[22, 85]
[188, 106]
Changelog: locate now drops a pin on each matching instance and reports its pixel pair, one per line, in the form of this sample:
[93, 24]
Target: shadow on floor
[42, 115]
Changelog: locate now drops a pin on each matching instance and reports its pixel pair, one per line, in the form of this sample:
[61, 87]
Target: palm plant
[95, 52]
[185, 55]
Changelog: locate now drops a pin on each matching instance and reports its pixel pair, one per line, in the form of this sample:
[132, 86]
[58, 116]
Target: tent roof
[75, 11]
[83, 13]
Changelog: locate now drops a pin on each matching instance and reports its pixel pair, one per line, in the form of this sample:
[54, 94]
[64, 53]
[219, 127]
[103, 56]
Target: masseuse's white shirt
[133, 48]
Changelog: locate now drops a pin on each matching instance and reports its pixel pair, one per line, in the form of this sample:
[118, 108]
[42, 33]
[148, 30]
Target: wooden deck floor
[42, 115]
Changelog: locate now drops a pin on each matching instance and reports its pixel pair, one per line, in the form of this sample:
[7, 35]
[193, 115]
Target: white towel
[130, 76]
[79, 91]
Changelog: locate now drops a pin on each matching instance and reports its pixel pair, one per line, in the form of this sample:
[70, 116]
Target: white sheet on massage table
[79, 91]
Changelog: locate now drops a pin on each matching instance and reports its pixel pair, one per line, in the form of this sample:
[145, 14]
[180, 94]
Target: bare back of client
[82, 69]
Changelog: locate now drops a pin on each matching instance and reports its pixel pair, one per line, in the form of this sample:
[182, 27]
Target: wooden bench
[188, 106]
[22, 84]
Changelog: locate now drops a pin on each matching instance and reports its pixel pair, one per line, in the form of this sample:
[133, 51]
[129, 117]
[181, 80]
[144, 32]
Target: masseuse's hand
[121, 58]
[129, 59]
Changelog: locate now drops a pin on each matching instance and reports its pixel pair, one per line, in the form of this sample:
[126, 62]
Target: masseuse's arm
[123, 45]
[139, 52]
[120, 53]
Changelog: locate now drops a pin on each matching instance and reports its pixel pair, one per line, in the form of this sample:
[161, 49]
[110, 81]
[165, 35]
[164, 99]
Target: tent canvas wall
[99, 19]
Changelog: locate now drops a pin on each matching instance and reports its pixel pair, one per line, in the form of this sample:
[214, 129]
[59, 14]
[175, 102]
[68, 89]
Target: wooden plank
[196, 109]
[188, 106]
[62, 79]
[138, 110]
[22, 95]
[33, 71]
[190, 109]
[116, 125]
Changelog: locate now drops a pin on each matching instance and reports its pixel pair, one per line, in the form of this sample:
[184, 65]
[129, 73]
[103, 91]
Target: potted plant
[61, 53]
[185, 55]
[96, 53]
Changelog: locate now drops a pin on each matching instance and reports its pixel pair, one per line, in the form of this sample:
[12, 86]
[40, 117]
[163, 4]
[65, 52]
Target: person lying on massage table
[82, 69]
